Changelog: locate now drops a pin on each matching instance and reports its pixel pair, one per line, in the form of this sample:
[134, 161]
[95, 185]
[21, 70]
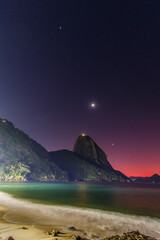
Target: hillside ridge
[23, 159]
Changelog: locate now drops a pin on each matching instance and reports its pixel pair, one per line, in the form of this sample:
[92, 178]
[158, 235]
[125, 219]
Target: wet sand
[29, 231]
[26, 220]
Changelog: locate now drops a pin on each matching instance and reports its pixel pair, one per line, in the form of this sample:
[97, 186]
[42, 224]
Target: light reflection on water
[129, 199]
[98, 222]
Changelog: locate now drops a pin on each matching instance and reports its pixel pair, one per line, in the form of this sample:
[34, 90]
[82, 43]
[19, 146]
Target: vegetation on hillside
[22, 158]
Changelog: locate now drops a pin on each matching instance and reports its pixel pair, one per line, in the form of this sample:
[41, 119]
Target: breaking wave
[98, 222]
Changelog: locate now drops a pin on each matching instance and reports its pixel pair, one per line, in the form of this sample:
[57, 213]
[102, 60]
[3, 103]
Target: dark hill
[88, 149]
[79, 168]
[23, 158]
[153, 179]
[87, 163]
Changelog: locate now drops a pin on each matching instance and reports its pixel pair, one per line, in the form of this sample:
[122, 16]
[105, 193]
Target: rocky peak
[5, 123]
[88, 149]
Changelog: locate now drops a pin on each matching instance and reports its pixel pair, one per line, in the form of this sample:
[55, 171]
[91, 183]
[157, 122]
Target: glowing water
[128, 199]
[98, 222]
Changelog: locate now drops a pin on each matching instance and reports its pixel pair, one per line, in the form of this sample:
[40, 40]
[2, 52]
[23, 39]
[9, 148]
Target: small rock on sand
[10, 238]
[25, 228]
[71, 229]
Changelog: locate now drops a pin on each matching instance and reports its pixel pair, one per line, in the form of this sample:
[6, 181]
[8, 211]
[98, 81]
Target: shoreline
[17, 231]
[21, 231]
[88, 221]
[21, 217]
[114, 183]
[48, 232]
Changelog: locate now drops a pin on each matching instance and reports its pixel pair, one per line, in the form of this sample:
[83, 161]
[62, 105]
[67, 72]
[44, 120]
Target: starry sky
[57, 57]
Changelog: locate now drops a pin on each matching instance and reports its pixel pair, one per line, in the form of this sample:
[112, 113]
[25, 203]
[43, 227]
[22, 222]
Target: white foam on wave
[98, 222]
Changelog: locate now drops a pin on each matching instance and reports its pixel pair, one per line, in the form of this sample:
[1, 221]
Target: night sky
[57, 57]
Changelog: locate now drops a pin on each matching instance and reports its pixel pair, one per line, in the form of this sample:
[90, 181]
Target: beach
[10, 230]
[25, 232]
[25, 219]
[18, 231]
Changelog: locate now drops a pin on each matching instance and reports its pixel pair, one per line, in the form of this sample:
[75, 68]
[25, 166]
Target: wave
[98, 222]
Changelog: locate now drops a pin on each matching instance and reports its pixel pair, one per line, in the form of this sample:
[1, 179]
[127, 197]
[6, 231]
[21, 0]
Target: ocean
[102, 210]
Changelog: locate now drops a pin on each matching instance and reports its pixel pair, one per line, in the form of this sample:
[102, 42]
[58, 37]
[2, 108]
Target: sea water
[102, 210]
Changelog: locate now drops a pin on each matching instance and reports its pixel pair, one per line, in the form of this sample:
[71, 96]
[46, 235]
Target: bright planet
[93, 105]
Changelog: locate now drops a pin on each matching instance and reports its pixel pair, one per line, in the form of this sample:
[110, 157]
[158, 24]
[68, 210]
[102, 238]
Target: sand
[27, 220]
[20, 231]
[27, 232]
[15, 230]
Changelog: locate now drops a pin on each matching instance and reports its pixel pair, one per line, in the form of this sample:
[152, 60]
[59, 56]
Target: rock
[76, 237]
[55, 231]
[87, 148]
[48, 233]
[24, 228]
[117, 237]
[93, 236]
[71, 229]
[55, 234]
[10, 238]
[134, 235]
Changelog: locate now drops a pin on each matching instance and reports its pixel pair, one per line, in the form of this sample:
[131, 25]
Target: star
[60, 27]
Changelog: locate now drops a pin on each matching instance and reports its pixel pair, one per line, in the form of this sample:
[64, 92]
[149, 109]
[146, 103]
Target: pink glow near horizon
[135, 164]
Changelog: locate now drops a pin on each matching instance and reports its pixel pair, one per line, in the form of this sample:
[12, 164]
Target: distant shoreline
[137, 184]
